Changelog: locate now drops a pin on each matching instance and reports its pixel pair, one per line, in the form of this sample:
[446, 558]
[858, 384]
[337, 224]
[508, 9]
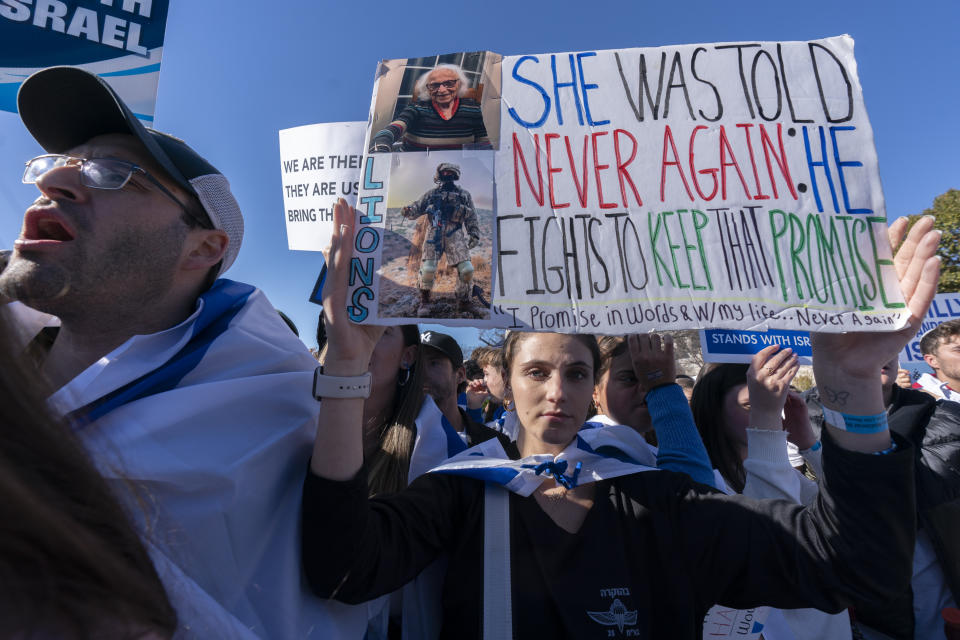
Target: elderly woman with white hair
[440, 117]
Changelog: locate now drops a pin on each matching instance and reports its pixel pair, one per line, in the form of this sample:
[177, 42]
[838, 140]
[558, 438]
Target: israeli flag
[599, 452]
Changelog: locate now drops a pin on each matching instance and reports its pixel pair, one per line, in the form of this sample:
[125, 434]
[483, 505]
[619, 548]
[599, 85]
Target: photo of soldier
[451, 229]
[438, 242]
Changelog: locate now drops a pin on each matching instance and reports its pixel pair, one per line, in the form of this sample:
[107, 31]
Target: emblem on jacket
[617, 615]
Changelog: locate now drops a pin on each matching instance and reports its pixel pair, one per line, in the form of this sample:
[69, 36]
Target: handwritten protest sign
[731, 345]
[320, 163]
[718, 185]
[119, 41]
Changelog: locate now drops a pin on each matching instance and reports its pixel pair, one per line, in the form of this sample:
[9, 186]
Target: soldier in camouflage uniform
[453, 230]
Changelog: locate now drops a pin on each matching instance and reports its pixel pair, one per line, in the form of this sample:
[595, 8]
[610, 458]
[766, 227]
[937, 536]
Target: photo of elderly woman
[437, 103]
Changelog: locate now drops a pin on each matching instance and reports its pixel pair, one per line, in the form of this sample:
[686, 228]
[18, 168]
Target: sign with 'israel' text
[119, 40]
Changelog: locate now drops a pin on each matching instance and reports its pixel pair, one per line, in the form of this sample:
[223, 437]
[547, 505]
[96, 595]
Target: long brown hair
[71, 565]
[388, 468]
[707, 406]
[610, 347]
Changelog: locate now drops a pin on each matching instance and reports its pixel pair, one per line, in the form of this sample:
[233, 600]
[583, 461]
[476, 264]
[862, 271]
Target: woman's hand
[847, 365]
[768, 380]
[862, 354]
[653, 361]
[338, 447]
[349, 345]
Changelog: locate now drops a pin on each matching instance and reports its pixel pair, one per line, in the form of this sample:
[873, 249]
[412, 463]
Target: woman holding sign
[738, 410]
[620, 397]
[577, 537]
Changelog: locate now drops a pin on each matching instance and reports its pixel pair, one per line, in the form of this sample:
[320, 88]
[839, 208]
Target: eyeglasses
[99, 173]
[446, 84]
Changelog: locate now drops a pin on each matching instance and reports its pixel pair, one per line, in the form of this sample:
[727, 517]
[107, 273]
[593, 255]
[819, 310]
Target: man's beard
[137, 267]
[33, 283]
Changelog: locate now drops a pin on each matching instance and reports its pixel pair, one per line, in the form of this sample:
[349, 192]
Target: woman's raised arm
[847, 365]
[338, 448]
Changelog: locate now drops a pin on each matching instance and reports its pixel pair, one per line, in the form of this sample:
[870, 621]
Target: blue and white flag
[937, 388]
[206, 429]
[597, 453]
[119, 40]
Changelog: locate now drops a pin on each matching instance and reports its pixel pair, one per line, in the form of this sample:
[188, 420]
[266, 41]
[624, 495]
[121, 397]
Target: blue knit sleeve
[680, 446]
[475, 414]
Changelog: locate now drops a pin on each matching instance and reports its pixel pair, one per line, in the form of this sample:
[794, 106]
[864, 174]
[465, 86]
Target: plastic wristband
[325, 386]
[816, 447]
[856, 424]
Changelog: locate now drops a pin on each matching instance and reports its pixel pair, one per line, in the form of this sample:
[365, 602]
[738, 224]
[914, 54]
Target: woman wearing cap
[590, 541]
[439, 118]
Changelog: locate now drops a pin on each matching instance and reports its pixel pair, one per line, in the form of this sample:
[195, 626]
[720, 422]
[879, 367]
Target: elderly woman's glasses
[446, 84]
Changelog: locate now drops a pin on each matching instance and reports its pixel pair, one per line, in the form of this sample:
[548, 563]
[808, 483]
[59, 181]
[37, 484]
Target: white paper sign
[743, 624]
[721, 185]
[319, 163]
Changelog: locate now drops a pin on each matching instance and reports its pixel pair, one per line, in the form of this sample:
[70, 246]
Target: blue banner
[946, 306]
[728, 345]
[119, 40]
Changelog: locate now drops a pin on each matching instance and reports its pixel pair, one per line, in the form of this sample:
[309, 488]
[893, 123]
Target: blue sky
[235, 72]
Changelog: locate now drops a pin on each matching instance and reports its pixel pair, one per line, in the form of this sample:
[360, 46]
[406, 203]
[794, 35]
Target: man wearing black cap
[189, 391]
[443, 372]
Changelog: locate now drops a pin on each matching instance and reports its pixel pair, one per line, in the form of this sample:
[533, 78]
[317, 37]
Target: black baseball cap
[63, 107]
[444, 344]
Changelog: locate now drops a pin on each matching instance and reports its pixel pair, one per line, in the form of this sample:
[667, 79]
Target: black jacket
[666, 547]
[934, 430]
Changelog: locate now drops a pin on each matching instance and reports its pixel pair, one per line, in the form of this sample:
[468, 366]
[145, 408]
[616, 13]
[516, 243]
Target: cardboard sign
[425, 237]
[717, 185]
[319, 164]
[120, 41]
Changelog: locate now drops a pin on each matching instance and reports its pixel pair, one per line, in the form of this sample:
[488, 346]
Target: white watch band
[325, 386]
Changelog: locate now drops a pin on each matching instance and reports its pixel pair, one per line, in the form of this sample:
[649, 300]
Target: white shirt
[770, 475]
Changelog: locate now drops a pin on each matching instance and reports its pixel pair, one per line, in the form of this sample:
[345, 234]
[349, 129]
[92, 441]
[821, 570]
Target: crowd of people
[178, 464]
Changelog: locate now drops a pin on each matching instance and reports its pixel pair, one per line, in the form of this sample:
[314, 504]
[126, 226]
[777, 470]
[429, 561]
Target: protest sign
[721, 185]
[723, 345]
[730, 345]
[945, 306]
[119, 40]
[319, 163]
[743, 624]
[426, 205]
